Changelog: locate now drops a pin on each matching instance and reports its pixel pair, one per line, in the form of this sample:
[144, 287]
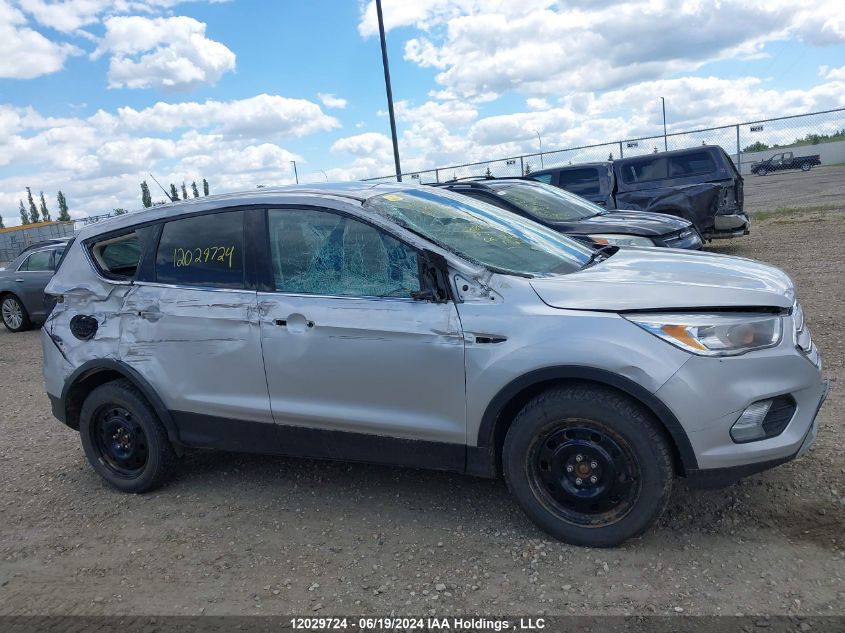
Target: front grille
[779, 415]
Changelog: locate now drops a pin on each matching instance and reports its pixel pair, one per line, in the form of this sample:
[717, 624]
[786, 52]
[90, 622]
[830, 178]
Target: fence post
[621, 153]
[738, 154]
[521, 167]
[436, 175]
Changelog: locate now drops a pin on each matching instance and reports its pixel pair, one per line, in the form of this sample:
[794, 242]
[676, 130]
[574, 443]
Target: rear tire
[14, 314]
[762, 171]
[806, 167]
[588, 465]
[123, 438]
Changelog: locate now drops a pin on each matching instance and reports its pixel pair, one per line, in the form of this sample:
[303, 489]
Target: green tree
[184, 191]
[174, 195]
[527, 168]
[488, 173]
[757, 146]
[24, 214]
[33, 210]
[45, 212]
[204, 187]
[2, 226]
[64, 216]
[146, 198]
[119, 211]
[194, 189]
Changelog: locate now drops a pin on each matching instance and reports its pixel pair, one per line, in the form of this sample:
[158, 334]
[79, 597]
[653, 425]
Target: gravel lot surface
[235, 534]
[821, 186]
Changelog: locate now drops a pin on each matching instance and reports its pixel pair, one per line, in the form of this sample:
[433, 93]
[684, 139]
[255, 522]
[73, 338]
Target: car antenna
[164, 190]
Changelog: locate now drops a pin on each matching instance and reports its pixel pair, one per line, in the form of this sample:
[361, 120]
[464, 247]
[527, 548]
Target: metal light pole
[665, 144]
[295, 174]
[389, 91]
[541, 147]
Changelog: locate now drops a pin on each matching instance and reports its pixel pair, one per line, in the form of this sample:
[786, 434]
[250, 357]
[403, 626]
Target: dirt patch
[235, 534]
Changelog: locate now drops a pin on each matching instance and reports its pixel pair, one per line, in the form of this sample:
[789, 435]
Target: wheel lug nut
[594, 464]
[578, 458]
[570, 468]
[593, 479]
[578, 481]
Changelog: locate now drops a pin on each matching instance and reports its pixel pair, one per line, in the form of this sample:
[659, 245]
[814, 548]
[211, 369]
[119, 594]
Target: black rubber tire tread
[624, 416]
[161, 457]
[26, 323]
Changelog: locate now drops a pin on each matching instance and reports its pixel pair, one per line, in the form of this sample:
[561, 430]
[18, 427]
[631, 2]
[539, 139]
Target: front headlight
[713, 334]
[621, 240]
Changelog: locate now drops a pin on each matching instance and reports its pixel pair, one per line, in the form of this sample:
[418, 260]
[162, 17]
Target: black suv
[577, 217]
[700, 184]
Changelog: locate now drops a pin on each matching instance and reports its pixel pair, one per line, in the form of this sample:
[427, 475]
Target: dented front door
[346, 346]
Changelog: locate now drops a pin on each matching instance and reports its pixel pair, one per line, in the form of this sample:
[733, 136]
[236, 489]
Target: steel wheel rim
[584, 473]
[12, 313]
[120, 442]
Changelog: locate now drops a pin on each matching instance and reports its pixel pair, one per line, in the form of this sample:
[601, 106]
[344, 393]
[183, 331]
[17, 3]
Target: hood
[627, 223]
[664, 279]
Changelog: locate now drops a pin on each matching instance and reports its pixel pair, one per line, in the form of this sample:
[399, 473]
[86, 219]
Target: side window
[645, 170]
[583, 181]
[317, 252]
[546, 178]
[42, 261]
[205, 251]
[117, 257]
[691, 164]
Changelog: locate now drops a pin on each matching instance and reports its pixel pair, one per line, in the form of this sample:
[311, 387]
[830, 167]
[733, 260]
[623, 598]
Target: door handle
[295, 320]
[20, 281]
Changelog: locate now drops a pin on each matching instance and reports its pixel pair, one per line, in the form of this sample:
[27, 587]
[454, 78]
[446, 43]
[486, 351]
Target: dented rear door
[192, 330]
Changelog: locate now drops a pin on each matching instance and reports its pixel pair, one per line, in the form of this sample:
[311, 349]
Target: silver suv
[414, 326]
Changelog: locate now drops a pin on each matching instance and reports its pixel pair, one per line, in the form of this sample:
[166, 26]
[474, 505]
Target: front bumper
[721, 477]
[708, 394]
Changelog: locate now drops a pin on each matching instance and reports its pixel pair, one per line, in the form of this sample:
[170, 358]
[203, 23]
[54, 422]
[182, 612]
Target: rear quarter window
[118, 256]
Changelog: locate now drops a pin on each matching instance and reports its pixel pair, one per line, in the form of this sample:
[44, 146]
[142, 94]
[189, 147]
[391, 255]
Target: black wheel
[762, 171]
[805, 166]
[123, 438]
[14, 314]
[588, 465]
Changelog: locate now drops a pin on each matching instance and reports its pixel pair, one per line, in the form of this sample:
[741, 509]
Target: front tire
[14, 314]
[588, 465]
[123, 439]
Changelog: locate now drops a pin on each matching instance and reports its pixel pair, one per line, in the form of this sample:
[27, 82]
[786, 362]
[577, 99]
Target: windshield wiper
[602, 252]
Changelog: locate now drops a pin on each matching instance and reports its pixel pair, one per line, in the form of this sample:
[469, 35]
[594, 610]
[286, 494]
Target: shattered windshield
[548, 203]
[481, 232]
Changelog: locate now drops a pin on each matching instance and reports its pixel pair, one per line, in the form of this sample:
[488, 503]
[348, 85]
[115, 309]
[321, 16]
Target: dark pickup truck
[785, 160]
[700, 184]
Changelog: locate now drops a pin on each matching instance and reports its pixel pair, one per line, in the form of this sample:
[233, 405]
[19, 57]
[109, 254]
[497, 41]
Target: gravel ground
[235, 534]
[820, 187]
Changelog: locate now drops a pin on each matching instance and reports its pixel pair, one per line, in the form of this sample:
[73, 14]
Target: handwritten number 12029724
[195, 256]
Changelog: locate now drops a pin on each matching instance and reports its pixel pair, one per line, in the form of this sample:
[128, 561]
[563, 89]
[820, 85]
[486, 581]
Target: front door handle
[20, 281]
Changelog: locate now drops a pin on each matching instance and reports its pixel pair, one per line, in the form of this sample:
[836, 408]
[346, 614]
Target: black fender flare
[138, 381]
[490, 419]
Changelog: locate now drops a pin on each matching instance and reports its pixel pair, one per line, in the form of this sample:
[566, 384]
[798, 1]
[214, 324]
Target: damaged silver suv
[413, 326]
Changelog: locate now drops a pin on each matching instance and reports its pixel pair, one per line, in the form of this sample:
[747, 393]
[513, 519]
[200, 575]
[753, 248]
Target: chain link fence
[820, 133]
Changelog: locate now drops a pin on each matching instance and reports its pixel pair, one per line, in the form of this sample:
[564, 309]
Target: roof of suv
[359, 191]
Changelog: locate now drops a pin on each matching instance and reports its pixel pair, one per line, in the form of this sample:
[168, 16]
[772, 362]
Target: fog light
[749, 426]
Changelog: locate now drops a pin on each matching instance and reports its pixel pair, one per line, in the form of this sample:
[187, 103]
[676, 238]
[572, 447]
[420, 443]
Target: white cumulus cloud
[24, 52]
[171, 53]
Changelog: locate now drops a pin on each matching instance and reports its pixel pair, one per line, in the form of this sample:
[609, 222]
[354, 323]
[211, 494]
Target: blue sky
[94, 95]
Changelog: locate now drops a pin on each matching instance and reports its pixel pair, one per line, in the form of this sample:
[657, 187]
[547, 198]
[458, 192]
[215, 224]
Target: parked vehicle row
[700, 185]
[579, 218]
[424, 327]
